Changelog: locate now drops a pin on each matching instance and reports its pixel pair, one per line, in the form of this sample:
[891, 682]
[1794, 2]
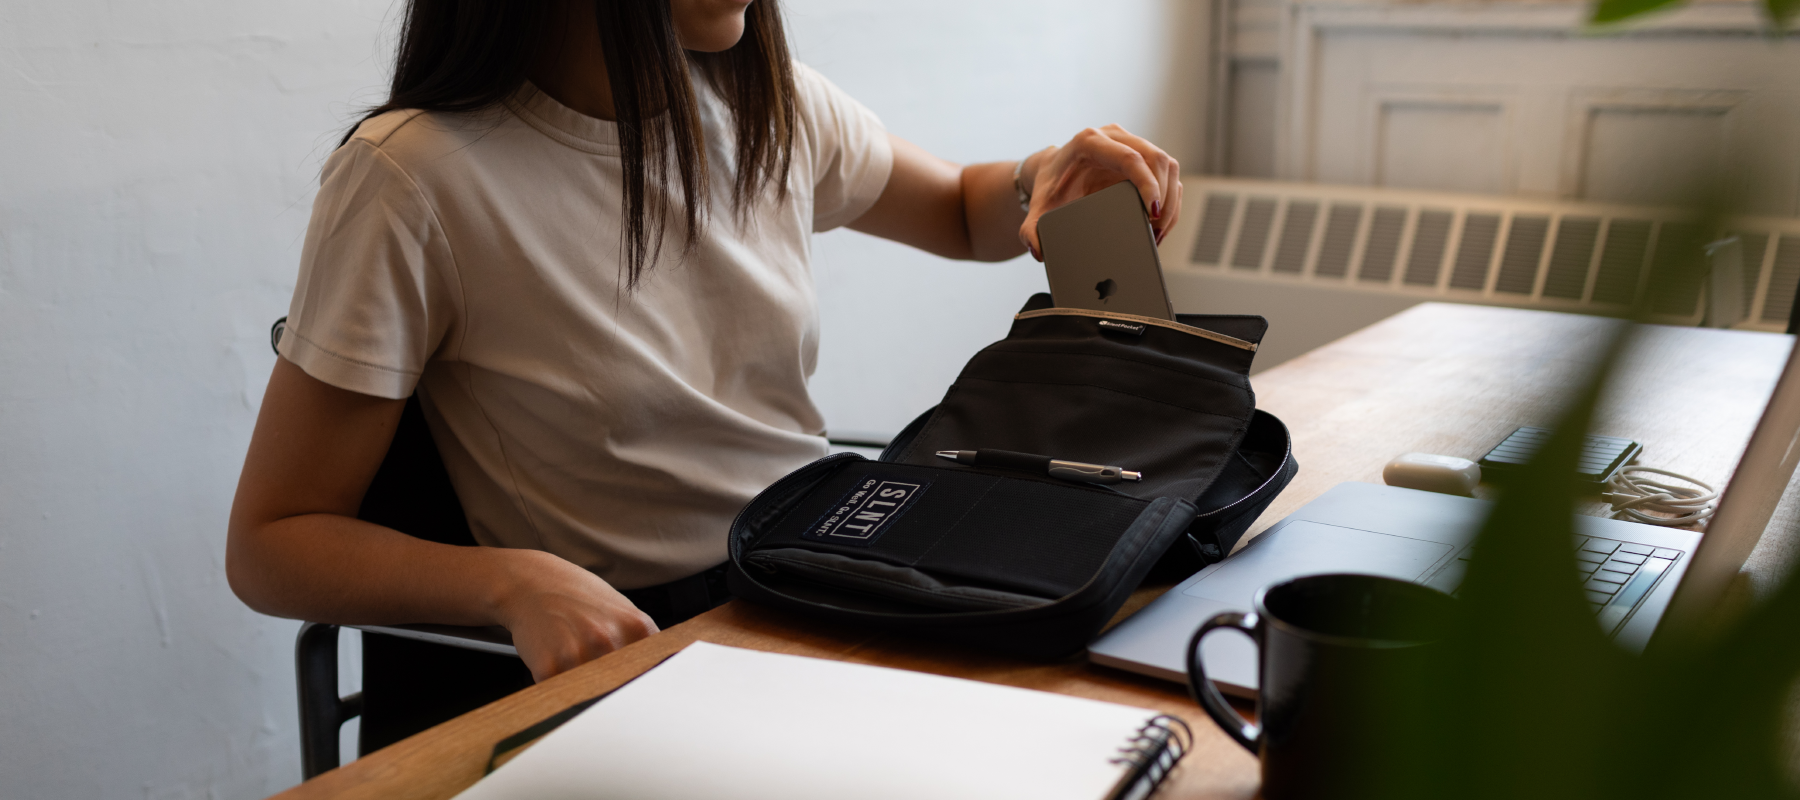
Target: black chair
[323, 713]
[414, 676]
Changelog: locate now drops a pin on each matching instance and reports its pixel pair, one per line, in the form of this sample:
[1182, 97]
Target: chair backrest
[411, 491]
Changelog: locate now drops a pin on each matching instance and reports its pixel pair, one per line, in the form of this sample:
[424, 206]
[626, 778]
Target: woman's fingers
[562, 616]
[1171, 200]
[1099, 158]
[568, 638]
[1091, 161]
[1028, 231]
[1146, 165]
[1095, 159]
[1166, 206]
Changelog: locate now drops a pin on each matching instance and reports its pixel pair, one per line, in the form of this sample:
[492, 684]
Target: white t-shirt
[477, 258]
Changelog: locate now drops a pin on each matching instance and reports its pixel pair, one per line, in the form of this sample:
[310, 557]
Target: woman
[579, 230]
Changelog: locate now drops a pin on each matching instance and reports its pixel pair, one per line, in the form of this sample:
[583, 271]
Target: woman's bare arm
[945, 209]
[295, 548]
[973, 212]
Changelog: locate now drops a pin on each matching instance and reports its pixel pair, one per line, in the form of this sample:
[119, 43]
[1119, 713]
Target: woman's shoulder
[813, 91]
[377, 130]
[413, 138]
[829, 116]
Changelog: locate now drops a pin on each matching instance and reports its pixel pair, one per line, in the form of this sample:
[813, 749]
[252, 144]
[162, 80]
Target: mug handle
[1207, 695]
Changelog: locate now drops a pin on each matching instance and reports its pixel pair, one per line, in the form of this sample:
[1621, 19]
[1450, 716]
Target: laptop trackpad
[1311, 548]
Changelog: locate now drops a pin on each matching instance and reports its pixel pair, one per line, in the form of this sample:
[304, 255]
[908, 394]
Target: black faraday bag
[1020, 562]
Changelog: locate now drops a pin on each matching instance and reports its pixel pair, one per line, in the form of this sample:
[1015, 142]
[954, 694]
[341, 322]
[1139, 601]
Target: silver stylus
[1055, 468]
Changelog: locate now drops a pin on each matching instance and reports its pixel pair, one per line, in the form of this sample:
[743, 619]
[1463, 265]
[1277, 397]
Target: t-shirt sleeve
[376, 295]
[847, 148]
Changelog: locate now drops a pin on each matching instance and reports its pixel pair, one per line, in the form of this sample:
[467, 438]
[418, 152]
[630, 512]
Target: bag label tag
[867, 511]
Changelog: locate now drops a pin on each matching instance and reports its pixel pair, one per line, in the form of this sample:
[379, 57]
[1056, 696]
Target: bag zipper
[1203, 333]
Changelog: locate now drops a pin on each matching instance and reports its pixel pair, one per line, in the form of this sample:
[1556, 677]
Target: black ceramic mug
[1345, 670]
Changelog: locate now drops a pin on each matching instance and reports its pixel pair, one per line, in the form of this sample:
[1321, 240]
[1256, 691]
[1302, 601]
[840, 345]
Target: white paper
[722, 722]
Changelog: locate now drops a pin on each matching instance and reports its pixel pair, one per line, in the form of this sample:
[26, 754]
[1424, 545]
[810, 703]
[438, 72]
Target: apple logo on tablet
[1105, 289]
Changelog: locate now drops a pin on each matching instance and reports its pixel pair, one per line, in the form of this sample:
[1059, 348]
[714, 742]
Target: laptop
[1100, 254]
[1641, 580]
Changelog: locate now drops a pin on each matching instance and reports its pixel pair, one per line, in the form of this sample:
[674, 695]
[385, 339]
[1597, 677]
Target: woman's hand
[562, 616]
[1095, 159]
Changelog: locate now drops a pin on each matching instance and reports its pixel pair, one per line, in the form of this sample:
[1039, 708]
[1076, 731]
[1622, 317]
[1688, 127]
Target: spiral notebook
[715, 721]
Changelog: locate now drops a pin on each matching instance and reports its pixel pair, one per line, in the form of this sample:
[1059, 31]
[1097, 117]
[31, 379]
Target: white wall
[158, 168]
[157, 172]
[970, 82]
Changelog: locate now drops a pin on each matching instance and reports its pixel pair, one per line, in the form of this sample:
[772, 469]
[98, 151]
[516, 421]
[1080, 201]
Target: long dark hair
[467, 55]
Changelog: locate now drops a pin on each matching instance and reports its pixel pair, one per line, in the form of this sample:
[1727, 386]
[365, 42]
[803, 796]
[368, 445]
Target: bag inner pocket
[948, 539]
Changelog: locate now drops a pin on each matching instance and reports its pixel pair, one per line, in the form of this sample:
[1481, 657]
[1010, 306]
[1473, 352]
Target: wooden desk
[1439, 378]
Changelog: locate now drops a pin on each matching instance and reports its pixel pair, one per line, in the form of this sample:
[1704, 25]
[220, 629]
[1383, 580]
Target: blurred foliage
[1609, 12]
[1529, 699]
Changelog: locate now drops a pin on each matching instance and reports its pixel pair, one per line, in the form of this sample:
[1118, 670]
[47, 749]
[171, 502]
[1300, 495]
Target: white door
[1519, 99]
[1509, 98]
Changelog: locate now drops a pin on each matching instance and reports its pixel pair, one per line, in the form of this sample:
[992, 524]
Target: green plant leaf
[1529, 630]
[1610, 11]
[1726, 745]
[1781, 12]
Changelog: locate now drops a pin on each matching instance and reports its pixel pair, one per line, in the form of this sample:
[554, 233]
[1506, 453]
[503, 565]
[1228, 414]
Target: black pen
[1055, 468]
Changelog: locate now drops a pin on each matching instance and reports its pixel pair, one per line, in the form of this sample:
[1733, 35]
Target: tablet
[1100, 254]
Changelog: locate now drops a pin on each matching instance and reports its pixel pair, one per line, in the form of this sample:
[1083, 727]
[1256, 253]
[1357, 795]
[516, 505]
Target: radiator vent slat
[1429, 241]
[1676, 269]
[1519, 263]
[1253, 234]
[1755, 246]
[1340, 239]
[1622, 261]
[1383, 245]
[1570, 256]
[1783, 280]
[1209, 247]
[1476, 251]
[1296, 236]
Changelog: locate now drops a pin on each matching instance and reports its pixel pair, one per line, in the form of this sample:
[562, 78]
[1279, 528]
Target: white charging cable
[1644, 500]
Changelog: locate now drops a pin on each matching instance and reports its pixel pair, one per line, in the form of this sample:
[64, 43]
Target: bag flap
[1161, 399]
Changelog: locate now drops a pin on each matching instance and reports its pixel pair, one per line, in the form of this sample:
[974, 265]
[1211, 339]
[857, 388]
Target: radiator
[1323, 260]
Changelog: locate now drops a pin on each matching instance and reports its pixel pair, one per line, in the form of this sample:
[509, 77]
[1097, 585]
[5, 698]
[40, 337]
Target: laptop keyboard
[1615, 575]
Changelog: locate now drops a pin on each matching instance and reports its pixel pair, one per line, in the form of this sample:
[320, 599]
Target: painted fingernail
[1034, 252]
[1156, 210]
[1160, 235]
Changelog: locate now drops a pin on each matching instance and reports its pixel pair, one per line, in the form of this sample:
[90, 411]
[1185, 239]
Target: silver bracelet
[1019, 185]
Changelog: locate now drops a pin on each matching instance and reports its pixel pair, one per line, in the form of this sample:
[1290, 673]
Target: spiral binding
[1151, 754]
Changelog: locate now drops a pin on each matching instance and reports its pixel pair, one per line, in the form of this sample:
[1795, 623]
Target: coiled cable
[1655, 502]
